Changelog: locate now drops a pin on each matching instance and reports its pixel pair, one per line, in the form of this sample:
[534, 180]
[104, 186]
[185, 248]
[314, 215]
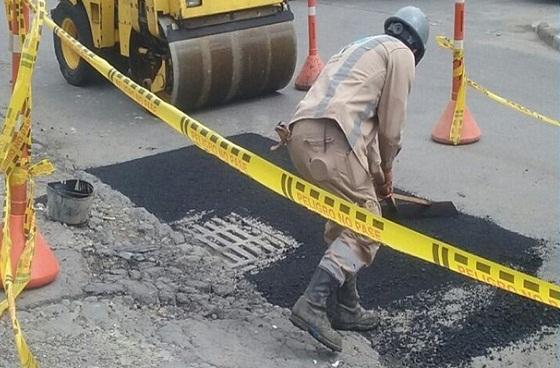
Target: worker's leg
[348, 251]
[310, 311]
[321, 154]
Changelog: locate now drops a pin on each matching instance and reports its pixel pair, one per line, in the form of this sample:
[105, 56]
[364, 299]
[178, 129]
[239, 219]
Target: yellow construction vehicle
[192, 53]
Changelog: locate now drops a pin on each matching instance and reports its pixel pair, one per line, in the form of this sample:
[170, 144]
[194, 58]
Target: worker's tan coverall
[347, 128]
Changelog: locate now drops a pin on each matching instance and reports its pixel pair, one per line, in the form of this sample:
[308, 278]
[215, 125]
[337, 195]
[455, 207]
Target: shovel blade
[418, 211]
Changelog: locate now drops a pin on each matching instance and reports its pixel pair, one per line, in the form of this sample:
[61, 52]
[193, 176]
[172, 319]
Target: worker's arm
[391, 110]
[383, 187]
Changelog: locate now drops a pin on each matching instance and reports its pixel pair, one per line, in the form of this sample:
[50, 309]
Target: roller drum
[217, 68]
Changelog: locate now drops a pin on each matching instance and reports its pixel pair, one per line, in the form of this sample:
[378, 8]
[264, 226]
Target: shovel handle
[411, 199]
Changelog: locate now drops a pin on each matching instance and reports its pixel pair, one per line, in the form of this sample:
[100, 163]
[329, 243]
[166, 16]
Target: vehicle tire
[73, 20]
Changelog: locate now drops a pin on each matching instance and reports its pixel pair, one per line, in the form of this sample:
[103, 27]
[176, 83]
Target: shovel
[402, 206]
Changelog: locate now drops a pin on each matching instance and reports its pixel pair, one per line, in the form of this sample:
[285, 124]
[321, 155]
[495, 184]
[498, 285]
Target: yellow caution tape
[14, 142]
[445, 42]
[459, 112]
[318, 200]
[9, 283]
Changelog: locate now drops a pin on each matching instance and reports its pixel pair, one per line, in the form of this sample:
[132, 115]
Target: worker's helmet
[410, 25]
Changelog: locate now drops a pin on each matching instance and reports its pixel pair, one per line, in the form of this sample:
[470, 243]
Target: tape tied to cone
[15, 142]
[445, 42]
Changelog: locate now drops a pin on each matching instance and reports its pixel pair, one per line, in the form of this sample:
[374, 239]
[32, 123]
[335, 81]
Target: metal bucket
[69, 201]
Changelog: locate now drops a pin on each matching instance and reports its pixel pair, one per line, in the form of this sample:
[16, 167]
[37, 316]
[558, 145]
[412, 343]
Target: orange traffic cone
[457, 111]
[470, 132]
[313, 64]
[44, 267]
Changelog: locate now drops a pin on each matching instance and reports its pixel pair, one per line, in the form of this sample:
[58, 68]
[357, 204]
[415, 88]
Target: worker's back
[350, 87]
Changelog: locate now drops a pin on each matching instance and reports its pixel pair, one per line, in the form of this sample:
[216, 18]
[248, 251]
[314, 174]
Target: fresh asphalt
[453, 318]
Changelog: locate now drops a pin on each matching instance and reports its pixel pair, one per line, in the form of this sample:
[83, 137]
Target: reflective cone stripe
[312, 26]
[458, 51]
[313, 63]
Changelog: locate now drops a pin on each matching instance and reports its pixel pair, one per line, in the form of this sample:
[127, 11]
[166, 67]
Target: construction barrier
[320, 201]
[313, 63]
[269, 175]
[19, 233]
[448, 44]
[456, 124]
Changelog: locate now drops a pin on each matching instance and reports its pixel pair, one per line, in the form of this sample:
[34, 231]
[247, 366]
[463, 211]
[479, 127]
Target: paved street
[510, 179]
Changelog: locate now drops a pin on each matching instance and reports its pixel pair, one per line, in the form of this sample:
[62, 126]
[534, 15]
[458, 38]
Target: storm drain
[243, 243]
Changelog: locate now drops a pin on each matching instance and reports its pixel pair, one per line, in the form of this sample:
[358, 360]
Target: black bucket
[69, 201]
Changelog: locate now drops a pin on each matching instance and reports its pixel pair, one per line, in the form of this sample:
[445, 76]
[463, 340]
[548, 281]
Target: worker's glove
[284, 134]
[385, 189]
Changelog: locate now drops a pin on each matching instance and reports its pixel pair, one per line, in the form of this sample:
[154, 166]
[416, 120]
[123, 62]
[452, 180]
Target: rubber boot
[348, 314]
[310, 311]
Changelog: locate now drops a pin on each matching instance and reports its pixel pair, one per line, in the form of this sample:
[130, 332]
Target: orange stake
[468, 130]
[44, 268]
[313, 64]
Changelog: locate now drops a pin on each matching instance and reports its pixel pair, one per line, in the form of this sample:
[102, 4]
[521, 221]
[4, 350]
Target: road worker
[344, 137]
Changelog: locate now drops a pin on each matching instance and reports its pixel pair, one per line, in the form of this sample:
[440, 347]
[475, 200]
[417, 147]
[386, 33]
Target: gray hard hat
[410, 25]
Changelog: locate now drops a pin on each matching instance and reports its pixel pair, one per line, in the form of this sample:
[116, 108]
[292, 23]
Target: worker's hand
[385, 190]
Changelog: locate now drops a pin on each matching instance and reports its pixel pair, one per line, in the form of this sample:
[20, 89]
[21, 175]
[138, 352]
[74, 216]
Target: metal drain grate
[243, 243]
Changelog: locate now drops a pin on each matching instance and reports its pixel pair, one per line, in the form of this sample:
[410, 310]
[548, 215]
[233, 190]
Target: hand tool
[412, 207]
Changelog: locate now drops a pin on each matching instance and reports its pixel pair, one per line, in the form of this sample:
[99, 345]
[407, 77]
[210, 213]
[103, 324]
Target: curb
[548, 34]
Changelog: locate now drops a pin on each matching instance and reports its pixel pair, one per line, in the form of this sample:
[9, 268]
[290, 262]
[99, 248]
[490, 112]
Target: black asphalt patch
[431, 317]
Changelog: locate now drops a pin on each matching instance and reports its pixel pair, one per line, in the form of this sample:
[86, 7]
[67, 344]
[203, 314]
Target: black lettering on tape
[184, 124]
[194, 126]
[531, 286]
[378, 224]
[554, 294]
[445, 256]
[329, 201]
[461, 259]
[204, 132]
[314, 194]
[507, 276]
[482, 267]
[344, 209]
[360, 216]
[300, 187]
[246, 158]
[235, 151]
[289, 187]
[224, 145]
[150, 97]
[283, 185]
[134, 87]
[435, 252]
[157, 102]
[213, 138]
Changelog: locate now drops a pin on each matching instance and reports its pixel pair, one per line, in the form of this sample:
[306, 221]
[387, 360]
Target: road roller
[191, 53]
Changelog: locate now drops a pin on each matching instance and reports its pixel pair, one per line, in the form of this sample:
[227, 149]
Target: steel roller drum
[221, 67]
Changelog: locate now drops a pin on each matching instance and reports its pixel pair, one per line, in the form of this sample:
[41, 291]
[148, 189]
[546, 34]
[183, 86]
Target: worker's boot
[348, 314]
[310, 311]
